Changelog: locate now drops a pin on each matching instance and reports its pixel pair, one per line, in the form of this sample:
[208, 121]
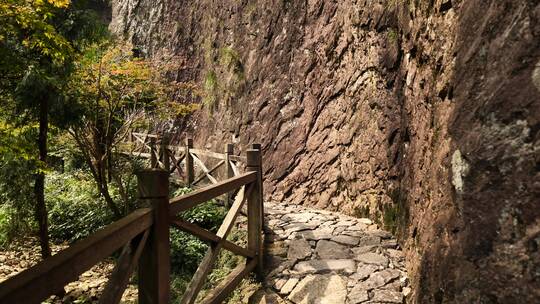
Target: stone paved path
[315, 256]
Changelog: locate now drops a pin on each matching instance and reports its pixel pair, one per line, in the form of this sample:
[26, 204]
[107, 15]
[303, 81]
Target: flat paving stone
[330, 258]
[288, 286]
[387, 296]
[320, 289]
[345, 239]
[332, 250]
[358, 295]
[318, 266]
[317, 234]
[299, 250]
[372, 258]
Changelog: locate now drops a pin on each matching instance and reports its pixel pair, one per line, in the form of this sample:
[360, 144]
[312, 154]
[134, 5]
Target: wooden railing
[143, 238]
[185, 163]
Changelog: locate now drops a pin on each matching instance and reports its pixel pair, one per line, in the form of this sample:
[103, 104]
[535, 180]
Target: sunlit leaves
[26, 23]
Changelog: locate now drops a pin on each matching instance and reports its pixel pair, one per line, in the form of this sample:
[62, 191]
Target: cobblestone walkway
[315, 256]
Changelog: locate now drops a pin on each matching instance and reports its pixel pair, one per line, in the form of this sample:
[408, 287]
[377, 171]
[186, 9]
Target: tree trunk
[104, 189]
[39, 186]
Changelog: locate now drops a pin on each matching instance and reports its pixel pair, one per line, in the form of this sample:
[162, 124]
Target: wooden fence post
[190, 172]
[259, 147]
[154, 263]
[255, 220]
[153, 158]
[229, 150]
[165, 158]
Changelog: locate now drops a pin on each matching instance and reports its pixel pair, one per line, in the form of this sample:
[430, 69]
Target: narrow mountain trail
[316, 256]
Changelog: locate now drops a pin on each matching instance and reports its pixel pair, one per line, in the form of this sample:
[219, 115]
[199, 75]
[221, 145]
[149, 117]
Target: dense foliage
[39, 41]
[75, 207]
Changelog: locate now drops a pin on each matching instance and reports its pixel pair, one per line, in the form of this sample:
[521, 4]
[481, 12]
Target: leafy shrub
[4, 225]
[75, 207]
[187, 251]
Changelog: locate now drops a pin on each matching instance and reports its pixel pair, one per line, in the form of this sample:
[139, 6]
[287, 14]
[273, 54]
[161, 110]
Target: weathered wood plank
[211, 154]
[50, 275]
[204, 169]
[234, 168]
[229, 219]
[200, 275]
[119, 278]
[154, 264]
[229, 150]
[231, 281]
[176, 163]
[190, 171]
[204, 174]
[185, 202]
[197, 231]
[255, 220]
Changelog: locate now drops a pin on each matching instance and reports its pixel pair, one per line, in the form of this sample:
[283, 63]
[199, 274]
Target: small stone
[299, 227]
[360, 250]
[277, 249]
[373, 227]
[288, 286]
[404, 281]
[372, 258]
[345, 223]
[369, 240]
[379, 279]
[339, 230]
[406, 291]
[364, 271]
[298, 217]
[390, 244]
[357, 227]
[318, 234]
[380, 233]
[365, 221]
[279, 283]
[299, 249]
[331, 250]
[358, 295]
[387, 296]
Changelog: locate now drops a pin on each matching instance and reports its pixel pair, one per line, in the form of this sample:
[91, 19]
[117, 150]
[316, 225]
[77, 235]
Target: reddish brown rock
[423, 115]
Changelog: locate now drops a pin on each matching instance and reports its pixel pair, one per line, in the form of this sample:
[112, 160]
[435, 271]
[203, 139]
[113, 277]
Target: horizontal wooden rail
[36, 284]
[207, 173]
[188, 201]
[207, 153]
[231, 281]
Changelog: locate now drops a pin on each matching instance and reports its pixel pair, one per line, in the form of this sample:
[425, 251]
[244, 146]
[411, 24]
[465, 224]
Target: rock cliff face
[421, 114]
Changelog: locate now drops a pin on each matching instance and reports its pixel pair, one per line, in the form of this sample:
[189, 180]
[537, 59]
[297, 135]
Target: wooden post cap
[153, 183]
[253, 157]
